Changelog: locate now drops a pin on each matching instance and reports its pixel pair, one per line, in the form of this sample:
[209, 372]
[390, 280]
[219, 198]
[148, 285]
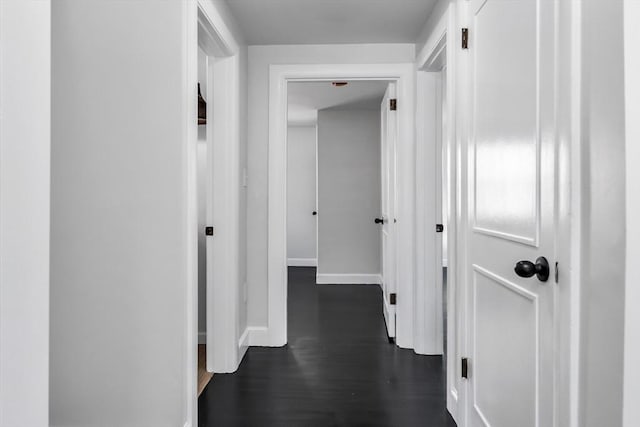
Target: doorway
[334, 180]
[204, 200]
[336, 330]
[341, 145]
[281, 75]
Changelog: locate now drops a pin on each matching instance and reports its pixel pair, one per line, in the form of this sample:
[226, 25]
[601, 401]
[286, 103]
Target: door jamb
[632, 110]
[276, 332]
[441, 43]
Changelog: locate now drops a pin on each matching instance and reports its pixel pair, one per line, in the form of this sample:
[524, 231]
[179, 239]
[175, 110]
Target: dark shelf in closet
[202, 108]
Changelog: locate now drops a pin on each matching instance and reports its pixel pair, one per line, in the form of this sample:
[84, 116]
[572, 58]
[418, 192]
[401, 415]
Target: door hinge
[465, 38]
[392, 299]
[393, 104]
[557, 273]
[208, 231]
[439, 228]
[465, 368]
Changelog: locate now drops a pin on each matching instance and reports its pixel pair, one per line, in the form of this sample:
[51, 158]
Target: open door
[511, 251]
[389, 132]
[209, 231]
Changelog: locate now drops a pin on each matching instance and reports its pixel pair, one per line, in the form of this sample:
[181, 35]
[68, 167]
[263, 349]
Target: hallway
[337, 370]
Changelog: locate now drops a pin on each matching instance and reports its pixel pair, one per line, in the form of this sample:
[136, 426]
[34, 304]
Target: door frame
[275, 335]
[438, 53]
[632, 106]
[206, 28]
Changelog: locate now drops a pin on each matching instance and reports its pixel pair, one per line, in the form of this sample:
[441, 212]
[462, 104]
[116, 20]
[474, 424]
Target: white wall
[260, 57]
[119, 212]
[301, 196]
[118, 264]
[349, 192]
[25, 142]
[603, 233]
[632, 296]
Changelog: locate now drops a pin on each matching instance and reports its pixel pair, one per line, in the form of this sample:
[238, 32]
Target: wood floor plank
[203, 376]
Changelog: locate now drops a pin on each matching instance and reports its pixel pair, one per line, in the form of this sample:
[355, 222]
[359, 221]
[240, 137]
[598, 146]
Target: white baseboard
[244, 338]
[202, 337]
[348, 279]
[302, 262]
[243, 345]
[258, 336]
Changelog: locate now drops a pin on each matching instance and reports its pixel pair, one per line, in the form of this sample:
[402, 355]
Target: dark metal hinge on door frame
[393, 104]
[465, 368]
[439, 228]
[392, 299]
[465, 38]
[208, 231]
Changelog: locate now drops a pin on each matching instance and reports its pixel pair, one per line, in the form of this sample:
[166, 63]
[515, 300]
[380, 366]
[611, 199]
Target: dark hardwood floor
[337, 370]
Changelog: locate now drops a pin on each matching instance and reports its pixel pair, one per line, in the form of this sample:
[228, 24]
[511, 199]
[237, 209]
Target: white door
[511, 208]
[389, 131]
[214, 352]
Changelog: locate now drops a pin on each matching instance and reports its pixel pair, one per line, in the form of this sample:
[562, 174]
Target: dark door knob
[314, 213]
[529, 269]
[379, 221]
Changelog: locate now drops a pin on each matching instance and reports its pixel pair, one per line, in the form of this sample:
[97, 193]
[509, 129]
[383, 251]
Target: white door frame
[388, 279]
[206, 29]
[632, 295]
[404, 75]
[438, 52]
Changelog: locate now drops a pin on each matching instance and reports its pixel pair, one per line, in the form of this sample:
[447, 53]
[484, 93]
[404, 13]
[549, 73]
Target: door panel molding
[530, 234]
[521, 293]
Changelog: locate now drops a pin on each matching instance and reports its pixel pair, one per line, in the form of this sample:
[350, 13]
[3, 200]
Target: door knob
[379, 221]
[314, 213]
[529, 269]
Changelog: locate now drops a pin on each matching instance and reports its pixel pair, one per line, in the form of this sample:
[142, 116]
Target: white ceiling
[306, 98]
[330, 21]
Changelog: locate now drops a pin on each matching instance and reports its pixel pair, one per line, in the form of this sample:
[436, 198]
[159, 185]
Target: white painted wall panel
[118, 264]
[603, 233]
[25, 142]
